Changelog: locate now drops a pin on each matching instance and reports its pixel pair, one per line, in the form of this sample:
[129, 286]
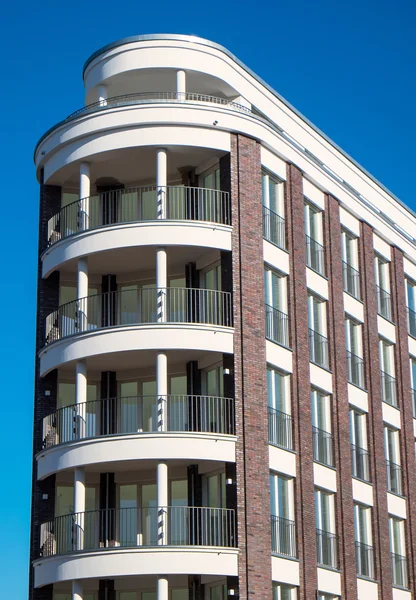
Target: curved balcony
[139, 307]
[137, 205]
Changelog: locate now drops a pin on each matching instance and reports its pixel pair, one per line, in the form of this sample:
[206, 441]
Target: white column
[161, 182]
[82, 294]
[102, 94]
[84, 195]
[181, 85]
[81, 398]
[161, 284]
[162, 503]
[79, 506]
[162, 588]
[77, 590]
[161, 390]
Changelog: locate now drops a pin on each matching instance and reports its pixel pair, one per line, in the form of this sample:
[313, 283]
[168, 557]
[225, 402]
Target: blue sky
[348, 66]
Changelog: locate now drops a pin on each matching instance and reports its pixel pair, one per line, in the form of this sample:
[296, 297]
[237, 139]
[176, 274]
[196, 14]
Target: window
[350, 271]
[355, 363]
[388, 381]
[359, 451]
[363, 541]
[382, 274]
[315, 257]
[282, 591]
[398, 552]
[282, 515]
[216, 591]
[278, 397]
[318, 342]
[413, 384]
[392, 455]
[275, 290]
[273, 210]
[326, 539]
[321, 428]
[322, 596]
[411, 306]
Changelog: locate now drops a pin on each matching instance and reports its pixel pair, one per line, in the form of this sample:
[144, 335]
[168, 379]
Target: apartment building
[225, 393]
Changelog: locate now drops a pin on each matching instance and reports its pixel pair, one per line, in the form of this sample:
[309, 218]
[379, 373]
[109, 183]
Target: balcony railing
[137, 527]
[150, 203]
[360, 463]
[323, 447]
[399, 570]
[394, 478]
[327, 548]
[318, 349]
[384, 306]
[365, 560]
[277, 326]
[143, 306]
[411, 322]
[274, 228]
[283, 536]
[315, 255]
[351, 279]
[280, 429]
[355, 368]
[388, 389]
[139, 414]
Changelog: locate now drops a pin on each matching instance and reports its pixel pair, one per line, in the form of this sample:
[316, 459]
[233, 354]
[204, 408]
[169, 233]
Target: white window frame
[349, 244]
[382, 273]
[285, 402]
[320, 324]
[397, 536]
[358, 429]
[289, 501]
[354, 336]
[271, 274]
[267, 179]
[392, 445]
[321, 407]
[387, 362]
[312, 212]
[362, 524]
[277, 591]
[322, 497]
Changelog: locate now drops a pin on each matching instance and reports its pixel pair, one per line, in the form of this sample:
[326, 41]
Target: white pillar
[81, 398]
[102, 94]
[82, 294]
[161, 284]
[162, 588]
[77, 593]
[181, 85]
[84, 195]
[161, 390]
[161, 183]
[162, 503]
[79, 506]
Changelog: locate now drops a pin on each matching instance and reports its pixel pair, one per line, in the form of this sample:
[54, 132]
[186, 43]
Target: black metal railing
[315, 255]
[399, 570]
[136, 527]
[274, 228]
[351, 278]
[384, 305]
[280, 429]
[355, 369]
[323, 447]
[360, 463]
[411, 322]
[388, 389]
[318, 349]
[139, 306]
[365, 560]
[327, 548]
[277, 326]
[149, 203]
[139, 414]
[283, 536]
[394, 478]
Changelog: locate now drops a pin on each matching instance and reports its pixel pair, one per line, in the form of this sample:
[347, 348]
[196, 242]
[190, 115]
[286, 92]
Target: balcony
[323, 447]
[277, 326]
[394, 478]
[178, 203]
[411, 322]
[388, 389]
[274, 228]
[315, 255]
[365, 560]
[283, 536]
[327, 549]
[138, 527]
[399, 570]
[280, 429]
[384, 305]
[351, 278]
[355, 369]
[139, 307]
[138, 414]
[360, 463]
[318, 349]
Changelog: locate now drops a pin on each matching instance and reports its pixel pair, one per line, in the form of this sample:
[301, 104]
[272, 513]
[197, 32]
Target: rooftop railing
[280, 429]
[283, 536]
[351, 277]
[315, 255]
[274, 228]
[277, 326]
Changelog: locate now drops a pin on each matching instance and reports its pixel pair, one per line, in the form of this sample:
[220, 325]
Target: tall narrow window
[392, 454]
[398, 552]
[350, 270]
[315, 255]
[382, 274]
[326, 539]
[359, 446]
[413, 383]
[275, 290]
[280, 420]
[411, 306]
[318, 341]
[355, 362]
[282, 591]
[321, 428]
[388, 380]
[363, 541]
[273, 210]
[282, 508]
